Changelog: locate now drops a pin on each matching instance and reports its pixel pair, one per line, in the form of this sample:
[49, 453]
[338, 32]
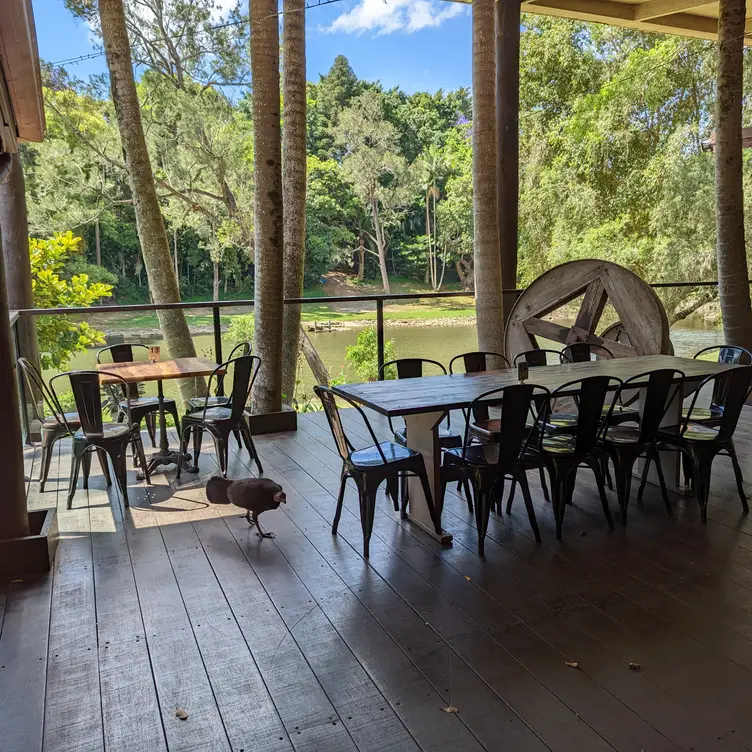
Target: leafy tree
[363, 356]
[58, 336]
[377, 171]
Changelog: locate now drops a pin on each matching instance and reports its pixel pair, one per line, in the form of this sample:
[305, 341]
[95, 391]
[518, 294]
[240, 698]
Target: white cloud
[387, 16]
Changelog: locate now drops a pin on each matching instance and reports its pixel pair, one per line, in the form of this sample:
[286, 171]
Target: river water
[440, 343]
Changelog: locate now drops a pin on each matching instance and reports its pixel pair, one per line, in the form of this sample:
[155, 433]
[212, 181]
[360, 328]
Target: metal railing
[217, 306]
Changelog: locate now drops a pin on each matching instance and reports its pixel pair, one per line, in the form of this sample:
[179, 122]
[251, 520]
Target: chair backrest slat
[515, 403]
[734, 385]
[537, 358]
[243, 371]
[328, 400]
[410, 368]
[37, 388]
[479, 361]
[584, 352]
[123, 353]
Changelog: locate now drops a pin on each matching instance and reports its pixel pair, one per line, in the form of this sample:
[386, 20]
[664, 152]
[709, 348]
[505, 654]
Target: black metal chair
[93, 434]
[584, 352]
[487, 465]
[142, 408]
[625, 443]
[219, 398]
[537, 358]
[563, 453]
[53, 426]
[414, 368]
[701, 442]
[731, 355]
[369, 467]
[483, 426]
[222, 420]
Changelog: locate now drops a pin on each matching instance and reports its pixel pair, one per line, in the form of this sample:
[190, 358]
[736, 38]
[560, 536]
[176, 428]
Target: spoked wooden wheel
[644, 326]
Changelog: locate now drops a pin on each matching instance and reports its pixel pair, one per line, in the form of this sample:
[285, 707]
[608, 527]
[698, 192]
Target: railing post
[26, 431]
[380, 334]
[217, 322]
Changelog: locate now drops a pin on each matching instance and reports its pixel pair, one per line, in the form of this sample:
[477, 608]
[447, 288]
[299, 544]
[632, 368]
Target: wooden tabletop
[144, 370]
[439, 393]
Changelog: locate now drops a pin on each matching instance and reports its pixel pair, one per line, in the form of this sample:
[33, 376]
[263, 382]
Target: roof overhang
[688, 18]
[20, 66]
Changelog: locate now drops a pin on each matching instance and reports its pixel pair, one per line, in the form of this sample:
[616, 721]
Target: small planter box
[35, 552]
[285, 420]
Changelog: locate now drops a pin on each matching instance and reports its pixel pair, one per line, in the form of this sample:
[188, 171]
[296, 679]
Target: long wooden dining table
[423, 403]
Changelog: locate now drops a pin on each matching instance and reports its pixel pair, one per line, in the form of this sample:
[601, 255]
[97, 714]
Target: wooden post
[14, 520]
[508, 17]
[14, 229]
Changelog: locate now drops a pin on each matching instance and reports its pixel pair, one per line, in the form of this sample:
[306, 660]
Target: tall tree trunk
[267, 163]
[488, 303]
[175, 252]
[508, 153]
[14, 519]
[97, 244]
[733, 275]
[380, 246]
[430, 275]
[361, 258]
[293, 182]
[14, 228]
[149, 223]
[215, 285]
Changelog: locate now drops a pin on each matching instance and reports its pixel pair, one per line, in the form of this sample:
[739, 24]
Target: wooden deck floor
[300, 644]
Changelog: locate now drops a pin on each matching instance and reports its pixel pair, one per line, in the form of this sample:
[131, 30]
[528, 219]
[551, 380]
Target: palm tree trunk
[733, 275]
[149, 222]
[488, 303]
[293, 182]
[269, 245]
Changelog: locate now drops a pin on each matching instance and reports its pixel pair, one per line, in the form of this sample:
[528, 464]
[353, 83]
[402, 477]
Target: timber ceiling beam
[657, 8]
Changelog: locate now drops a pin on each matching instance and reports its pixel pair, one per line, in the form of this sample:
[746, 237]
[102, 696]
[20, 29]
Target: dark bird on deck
[255, 495]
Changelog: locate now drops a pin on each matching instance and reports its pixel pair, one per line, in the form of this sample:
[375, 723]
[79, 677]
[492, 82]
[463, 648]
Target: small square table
[137, 372]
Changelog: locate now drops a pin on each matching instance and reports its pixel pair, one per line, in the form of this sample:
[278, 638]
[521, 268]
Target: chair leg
[559, 500]
[482, 515]
[368, 488]
[511, 495]
[662, 481]
[46, 461]
[219, 450]
[645, 471]
[544, 486]
[468, 495]
[601, 483]
[102, 457]
[687, 469]
[404, 495]
[607, 474]
[138, 448]
[738, 475]
[237, 432]
[151, 427]
[423, 475]
[392, 491]
[86, 466]
[185, 434]
[340, 501]
[73, 482]
[701, 472]
[121, 473]
[529, 505]
[198, 436]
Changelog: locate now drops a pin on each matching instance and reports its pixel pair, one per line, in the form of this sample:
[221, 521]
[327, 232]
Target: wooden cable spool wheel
[643, 326]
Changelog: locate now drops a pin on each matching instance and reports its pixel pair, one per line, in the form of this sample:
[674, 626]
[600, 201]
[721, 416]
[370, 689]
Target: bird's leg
[248, 517]
[260, 532]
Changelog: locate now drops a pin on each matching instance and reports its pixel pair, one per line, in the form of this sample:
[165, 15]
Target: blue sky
[419, 45]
